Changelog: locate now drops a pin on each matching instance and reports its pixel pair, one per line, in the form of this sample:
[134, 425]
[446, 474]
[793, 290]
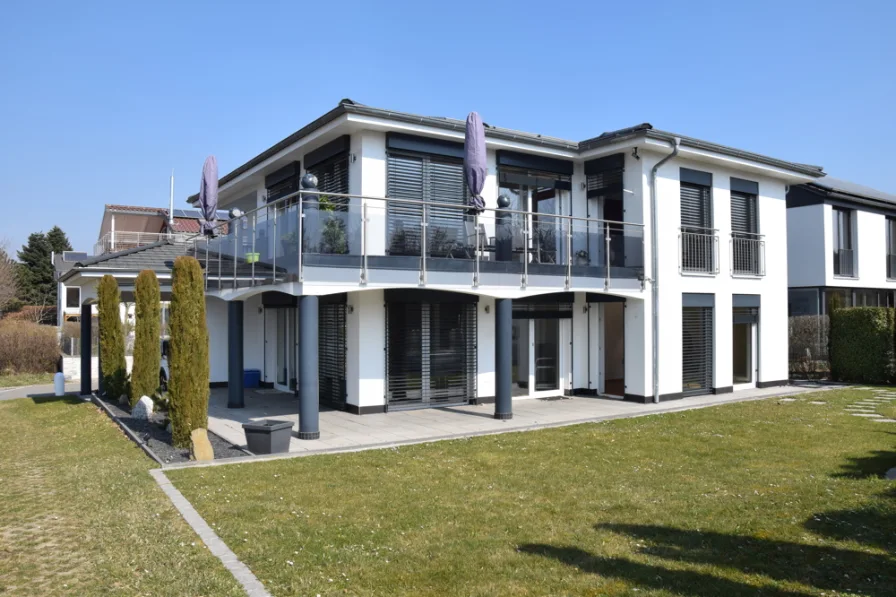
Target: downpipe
[654, 268]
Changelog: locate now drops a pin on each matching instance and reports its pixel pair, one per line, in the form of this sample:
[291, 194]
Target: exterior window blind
[332, 177]
[430, 353]
[697, 345]
[743, 213]
[331, 359]
[422, 177]
[696, 207]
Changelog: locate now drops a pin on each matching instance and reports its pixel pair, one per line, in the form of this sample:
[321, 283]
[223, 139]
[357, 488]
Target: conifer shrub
[113, 367]
[147, 331]
[188, 387]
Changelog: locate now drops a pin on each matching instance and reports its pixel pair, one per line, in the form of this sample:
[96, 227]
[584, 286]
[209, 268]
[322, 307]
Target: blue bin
[251, 378]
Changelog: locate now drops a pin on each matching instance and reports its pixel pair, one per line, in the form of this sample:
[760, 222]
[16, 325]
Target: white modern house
[841, 241]
[638, 264]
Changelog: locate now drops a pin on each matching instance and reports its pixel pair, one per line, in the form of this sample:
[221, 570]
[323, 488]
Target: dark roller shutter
[331, 349]
[695, 206]
[696, 355]
[430, 353]
[332, 177]
[405, 180]
[421, 177]
[743, 213]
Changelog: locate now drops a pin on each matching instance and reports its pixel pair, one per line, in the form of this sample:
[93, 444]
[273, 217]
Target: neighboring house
[841, 240]
[382, 291]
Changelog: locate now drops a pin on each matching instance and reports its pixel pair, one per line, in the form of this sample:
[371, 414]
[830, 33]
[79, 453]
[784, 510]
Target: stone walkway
[867, 407]
[341, 431]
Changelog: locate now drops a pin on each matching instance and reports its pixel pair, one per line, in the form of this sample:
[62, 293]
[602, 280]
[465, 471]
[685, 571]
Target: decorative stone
[817, 402]
[143, 408]
[869, 415]
[123, 399]
[891, 474]
[200, 447]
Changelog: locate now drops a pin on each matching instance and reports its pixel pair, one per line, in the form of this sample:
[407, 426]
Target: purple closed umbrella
[208, 196]
[475, 168]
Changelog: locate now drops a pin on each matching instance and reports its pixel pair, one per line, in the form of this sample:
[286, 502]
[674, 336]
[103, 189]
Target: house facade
[841, 242]
[371, 286]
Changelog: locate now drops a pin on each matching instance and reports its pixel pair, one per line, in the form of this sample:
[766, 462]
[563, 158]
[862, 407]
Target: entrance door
[286, 379]
[613, 371]
[538, 360]
[744, 352]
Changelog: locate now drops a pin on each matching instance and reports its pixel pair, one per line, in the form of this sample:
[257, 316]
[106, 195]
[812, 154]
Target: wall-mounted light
[349, 309]
[584, 186]
[486, 309]
[351, 158]
[635, 153]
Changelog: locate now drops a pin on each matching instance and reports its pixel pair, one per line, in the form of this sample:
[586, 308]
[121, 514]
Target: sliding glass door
[542, 197]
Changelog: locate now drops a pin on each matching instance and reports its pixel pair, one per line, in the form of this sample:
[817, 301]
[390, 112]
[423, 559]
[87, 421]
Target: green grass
[80, 514]
[15, 380]
[760, 498]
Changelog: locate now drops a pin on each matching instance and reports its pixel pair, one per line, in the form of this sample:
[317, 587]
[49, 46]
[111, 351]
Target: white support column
[365, 368]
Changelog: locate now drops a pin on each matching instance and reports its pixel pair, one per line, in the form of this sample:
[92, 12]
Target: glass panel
[520, 358]
[547, 354]
[743, 352]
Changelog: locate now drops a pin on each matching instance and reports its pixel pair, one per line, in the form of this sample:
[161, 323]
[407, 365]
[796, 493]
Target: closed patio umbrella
[208, 196]
[475, 168]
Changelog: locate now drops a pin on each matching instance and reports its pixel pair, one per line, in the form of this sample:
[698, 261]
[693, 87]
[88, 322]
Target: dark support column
[309, 406]
[503, 351]
[100, 386]
[86, 381]
[235, 354]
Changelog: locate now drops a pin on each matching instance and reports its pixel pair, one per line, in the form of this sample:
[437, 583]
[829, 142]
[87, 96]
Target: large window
[697, 343]
[891, 248]
[844, 251]
[72, 297]
[698, 239]
[539, 197]
[746, 244]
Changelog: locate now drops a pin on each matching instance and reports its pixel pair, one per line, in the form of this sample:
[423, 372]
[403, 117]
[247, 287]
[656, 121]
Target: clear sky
[100, 100]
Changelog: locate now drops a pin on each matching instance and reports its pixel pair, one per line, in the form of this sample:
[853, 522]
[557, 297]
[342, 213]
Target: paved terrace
[341, 431]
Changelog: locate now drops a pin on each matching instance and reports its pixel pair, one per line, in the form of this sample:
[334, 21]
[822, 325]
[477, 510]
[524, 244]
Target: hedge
[147, 331]
[113, 367]
[188, 387]
[27, 347]
[861, 344]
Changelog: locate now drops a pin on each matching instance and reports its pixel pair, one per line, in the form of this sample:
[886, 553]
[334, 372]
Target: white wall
[253, 334]
[365, 339]
[216, 319]
[485, 348]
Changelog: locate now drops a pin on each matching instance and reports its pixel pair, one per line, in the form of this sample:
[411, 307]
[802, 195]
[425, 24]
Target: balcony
[314, 237]
[112, 242]
[845, 263]
[747, 254]
[699, 250]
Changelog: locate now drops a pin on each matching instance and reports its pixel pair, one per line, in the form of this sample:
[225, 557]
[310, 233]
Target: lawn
[14, 380]
[81, 515]
[760, 498]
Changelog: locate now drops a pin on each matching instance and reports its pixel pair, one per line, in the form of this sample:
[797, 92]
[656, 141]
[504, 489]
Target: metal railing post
[254, 255]
[236, 251]
[607, 251]
[363, 242]
[301, 226]
[568, 254]
[476, 254]
[526, 234]
[274, 249]
[423, 228]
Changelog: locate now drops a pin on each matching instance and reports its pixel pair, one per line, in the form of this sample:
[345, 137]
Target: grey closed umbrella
[475, 167]
[208, 196]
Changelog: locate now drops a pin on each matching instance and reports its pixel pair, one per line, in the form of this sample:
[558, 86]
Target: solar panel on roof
[73, 256]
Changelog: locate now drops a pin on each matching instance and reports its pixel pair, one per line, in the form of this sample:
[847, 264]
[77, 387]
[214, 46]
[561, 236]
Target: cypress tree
[112, 363]
[188, 359]
[147, 356]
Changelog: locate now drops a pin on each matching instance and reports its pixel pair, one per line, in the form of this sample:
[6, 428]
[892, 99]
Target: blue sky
[100, 100]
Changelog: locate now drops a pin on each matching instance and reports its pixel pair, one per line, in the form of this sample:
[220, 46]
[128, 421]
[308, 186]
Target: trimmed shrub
[27, 347]
[113, 367]
[861, 341]
[147, 329]
[809, 345]
[188, 387]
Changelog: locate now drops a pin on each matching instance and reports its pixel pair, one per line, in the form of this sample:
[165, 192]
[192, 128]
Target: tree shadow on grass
[874, 525]
[684, 582]
[824, 567]
[875, 464]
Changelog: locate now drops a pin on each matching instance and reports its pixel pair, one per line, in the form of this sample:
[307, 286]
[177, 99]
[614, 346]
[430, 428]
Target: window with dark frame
[72, 297]
[697, 235]
[844, 253]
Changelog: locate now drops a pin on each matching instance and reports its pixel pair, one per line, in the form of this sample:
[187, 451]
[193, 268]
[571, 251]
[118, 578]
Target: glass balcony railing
[300, 237]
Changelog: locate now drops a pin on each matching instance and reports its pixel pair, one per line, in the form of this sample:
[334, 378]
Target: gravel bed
[159, 440]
